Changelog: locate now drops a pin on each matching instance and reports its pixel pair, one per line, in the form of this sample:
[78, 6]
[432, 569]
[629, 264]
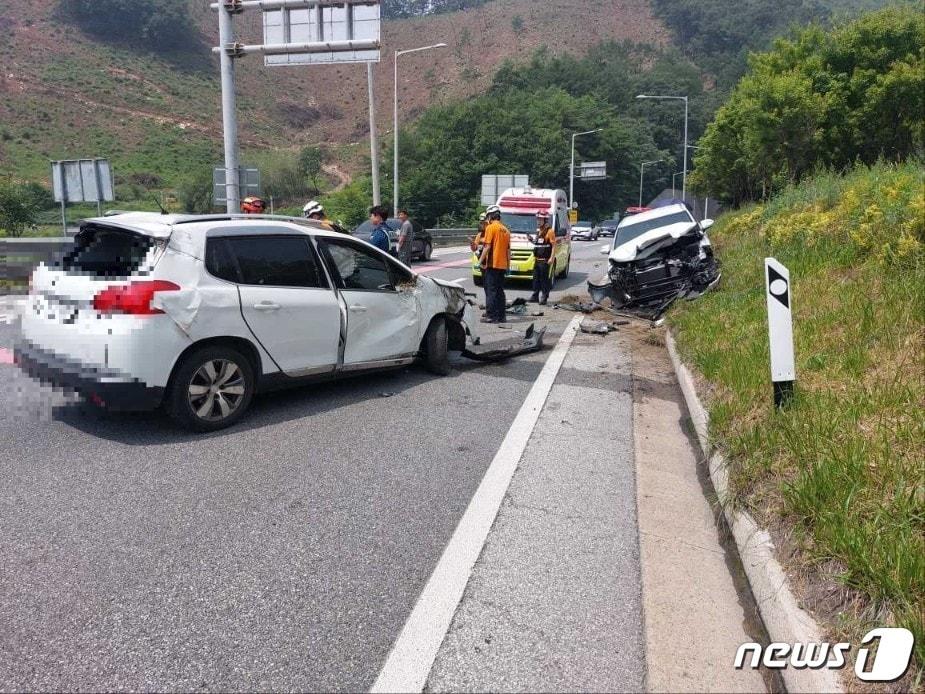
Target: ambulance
[518, 213]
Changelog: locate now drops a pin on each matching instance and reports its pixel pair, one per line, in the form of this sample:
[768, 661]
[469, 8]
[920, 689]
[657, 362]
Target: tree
[310, 164]
[18, 209]
[821, 99]
[449, 149]
[195, 194]
[163, 24]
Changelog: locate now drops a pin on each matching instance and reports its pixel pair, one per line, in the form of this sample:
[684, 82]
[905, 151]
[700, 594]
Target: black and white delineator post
[780, 330]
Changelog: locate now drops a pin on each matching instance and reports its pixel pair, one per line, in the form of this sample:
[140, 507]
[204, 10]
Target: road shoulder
[553, 603]
[698, 606]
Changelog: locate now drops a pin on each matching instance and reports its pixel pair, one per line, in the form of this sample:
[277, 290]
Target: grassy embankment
[844, 467]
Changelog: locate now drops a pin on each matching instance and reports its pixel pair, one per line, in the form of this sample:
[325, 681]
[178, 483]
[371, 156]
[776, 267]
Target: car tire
[219, 380]
[437, 348]
[428, 251]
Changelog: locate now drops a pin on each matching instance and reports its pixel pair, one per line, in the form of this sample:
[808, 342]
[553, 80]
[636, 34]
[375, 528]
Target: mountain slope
[62, 94]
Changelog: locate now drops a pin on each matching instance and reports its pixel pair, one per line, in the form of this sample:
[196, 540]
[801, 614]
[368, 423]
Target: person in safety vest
[544, 250]
[495, 262]
[315, 211]
[252, 205]
[476, 243]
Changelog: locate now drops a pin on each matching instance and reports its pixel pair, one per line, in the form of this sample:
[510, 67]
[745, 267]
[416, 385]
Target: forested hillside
[523, 126]
[719, 34]
[116, 78]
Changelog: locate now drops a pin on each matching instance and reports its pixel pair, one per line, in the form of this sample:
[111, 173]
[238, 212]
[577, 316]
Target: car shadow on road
[279, 407]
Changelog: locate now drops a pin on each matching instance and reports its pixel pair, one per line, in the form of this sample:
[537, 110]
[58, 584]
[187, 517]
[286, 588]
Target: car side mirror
[706, 224]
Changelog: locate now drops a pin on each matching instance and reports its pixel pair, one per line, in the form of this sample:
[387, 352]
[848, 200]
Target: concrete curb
[783, 618]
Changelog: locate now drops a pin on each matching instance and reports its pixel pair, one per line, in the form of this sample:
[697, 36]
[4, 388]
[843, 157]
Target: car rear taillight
[134, 298]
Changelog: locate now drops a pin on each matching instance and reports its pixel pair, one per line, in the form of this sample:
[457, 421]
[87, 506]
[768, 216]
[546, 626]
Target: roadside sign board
[593, 170]
[82, 180]
[573, 216]
[249, 179]
[493, 186]
[321, 32]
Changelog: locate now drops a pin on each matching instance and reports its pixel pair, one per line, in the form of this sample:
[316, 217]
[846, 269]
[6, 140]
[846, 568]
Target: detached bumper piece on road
[532, 341]
[647, 287]
[103, 387]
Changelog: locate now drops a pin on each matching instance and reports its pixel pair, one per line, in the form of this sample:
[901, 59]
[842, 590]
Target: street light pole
[373, 136]
[571, 178]
[642, 169]
[686, 118]
[395, 121]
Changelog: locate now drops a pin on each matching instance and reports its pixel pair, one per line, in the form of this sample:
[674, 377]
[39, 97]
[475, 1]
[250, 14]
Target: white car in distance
[586, 231]
[200, 313]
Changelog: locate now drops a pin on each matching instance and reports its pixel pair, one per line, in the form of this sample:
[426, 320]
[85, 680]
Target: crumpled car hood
[627, 252]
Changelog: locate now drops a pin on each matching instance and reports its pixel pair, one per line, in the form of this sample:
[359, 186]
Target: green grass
[845, 464]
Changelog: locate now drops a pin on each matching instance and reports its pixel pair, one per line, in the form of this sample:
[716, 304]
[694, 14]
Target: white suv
[200, 313]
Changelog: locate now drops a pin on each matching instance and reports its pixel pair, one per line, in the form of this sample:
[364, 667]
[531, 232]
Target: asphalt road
[285, 553]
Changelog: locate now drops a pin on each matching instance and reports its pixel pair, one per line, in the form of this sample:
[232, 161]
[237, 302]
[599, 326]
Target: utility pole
[373, 136]
[226, 40]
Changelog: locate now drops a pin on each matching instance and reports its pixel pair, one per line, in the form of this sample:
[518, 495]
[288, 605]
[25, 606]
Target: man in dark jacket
[381, 237]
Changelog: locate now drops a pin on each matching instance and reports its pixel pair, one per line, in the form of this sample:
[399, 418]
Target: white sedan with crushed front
[200, 313]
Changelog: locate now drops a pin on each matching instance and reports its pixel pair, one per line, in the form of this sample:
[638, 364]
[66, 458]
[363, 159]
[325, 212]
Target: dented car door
[382, 316]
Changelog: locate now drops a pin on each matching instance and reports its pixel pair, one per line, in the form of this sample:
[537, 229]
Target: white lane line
[459, 279]
[414, 651]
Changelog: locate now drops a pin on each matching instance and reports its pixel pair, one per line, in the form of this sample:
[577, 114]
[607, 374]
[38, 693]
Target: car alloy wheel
[216, 390]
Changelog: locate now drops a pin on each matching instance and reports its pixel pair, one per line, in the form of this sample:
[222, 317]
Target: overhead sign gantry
[295, 32]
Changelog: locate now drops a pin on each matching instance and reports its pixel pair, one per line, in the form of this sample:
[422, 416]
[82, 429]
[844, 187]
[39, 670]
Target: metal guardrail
[451, 237]
[18, 257]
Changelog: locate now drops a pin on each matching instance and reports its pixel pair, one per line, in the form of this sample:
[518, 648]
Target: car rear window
[107, 252]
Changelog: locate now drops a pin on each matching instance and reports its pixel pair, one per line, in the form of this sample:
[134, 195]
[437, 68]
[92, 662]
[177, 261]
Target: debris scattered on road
[386, 395]
[597, 327]
[579, 307]
[532, 341]
[517, 307]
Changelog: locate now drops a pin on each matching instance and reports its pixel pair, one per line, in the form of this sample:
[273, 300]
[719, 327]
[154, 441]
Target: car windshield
[630, 229]
[519, 223]
[107, 252]
[583, 223]
[610, 222]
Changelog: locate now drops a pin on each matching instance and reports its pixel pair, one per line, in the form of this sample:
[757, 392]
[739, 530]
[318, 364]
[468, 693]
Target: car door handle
[266, 306]
[356, 308]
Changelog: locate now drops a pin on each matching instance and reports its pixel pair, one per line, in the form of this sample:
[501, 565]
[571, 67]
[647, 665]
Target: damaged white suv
[200, 313]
